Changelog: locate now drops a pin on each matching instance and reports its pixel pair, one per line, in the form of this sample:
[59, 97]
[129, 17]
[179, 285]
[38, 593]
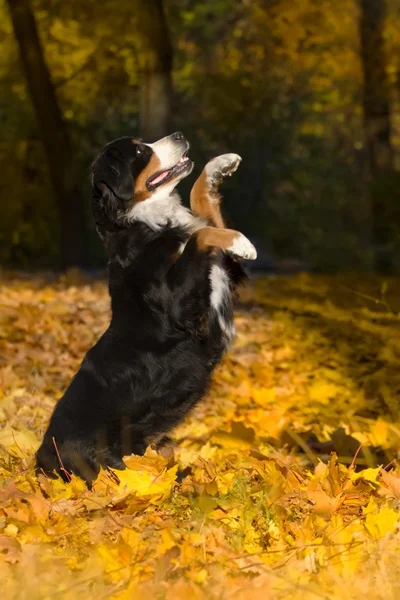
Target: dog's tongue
[165, 174]
[160, 177]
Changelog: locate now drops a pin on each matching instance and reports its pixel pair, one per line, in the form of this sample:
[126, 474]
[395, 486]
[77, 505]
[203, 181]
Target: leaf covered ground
[292, 486]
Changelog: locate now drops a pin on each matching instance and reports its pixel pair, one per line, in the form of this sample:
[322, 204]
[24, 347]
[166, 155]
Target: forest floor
[293, 484]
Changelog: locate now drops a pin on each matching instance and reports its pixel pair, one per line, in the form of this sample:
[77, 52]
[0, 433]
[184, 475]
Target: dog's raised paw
[241, 247]
[222, 166]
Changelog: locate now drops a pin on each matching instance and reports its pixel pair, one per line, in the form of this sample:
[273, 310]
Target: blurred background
[306, 91]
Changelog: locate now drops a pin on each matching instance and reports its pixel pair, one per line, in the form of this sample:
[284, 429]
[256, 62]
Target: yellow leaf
[145, 484]
[134, 481]
[11, 530]
[188, 554]
[264, 396]
[391, 485]
[19, 442]
[131, 537]
[324, 392]
[322, 502]
[384, 521]
[167, 541]
[380, 433]
[198, 576]
[239, 436]
[113, 559]
[369, 475]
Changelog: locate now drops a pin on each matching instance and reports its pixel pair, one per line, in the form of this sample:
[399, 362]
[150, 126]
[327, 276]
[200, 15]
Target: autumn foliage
[278, 499]
[284, 83]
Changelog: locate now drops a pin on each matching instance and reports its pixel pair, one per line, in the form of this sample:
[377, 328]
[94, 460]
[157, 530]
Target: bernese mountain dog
[172, 275]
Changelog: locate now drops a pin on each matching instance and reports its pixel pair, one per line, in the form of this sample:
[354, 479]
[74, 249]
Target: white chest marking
[219, 286]
[220, 297]
[162, 209]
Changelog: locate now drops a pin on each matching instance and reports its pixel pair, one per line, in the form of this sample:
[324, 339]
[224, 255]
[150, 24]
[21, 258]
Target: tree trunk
[376, 86]
[377, 126]
[155, 104]
[53, 132]
[155, 62]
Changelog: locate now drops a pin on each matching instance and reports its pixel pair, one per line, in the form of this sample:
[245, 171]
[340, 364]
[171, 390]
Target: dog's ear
[112, 183]
[114, 173]
[105, 210]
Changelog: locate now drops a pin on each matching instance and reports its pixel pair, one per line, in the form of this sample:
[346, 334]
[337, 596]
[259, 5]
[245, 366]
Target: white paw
[242, 248]
[222, 166]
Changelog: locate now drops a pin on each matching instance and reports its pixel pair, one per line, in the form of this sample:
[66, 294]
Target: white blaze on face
[168, 152]
[160, 206]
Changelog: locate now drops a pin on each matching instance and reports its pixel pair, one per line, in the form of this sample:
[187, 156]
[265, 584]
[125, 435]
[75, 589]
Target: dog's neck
[158, 213]
[163, 210]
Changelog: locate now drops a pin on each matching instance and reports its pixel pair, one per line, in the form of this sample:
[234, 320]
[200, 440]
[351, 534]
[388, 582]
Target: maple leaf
[274, 494]
[379, 522]
[369, 475]
[18, 442]
[391, 485]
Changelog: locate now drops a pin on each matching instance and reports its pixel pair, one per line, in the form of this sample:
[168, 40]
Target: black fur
[154, 362]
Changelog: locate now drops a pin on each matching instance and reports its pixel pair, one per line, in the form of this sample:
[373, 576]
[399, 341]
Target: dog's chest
[221, 301]
[220, 293]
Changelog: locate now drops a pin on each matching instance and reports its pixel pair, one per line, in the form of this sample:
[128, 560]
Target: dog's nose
[178, 136]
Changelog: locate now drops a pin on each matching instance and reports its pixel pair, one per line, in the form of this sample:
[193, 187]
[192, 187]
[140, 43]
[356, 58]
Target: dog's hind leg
[204, 197]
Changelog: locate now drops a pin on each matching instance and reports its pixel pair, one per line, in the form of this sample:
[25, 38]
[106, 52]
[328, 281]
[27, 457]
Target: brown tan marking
[204, 201]
[174, 257]
[141, 191]
[211, 237]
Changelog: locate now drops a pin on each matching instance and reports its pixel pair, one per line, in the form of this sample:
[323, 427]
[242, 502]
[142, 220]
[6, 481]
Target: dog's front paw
[222, 166]
[241, 247]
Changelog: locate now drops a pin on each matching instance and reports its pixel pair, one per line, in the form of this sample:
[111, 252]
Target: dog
[172, 275]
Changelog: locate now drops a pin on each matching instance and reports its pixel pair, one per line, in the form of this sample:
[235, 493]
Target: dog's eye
[141, 149]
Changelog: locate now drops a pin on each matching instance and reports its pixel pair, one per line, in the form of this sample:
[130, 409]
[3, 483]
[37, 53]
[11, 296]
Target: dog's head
[128, 172]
